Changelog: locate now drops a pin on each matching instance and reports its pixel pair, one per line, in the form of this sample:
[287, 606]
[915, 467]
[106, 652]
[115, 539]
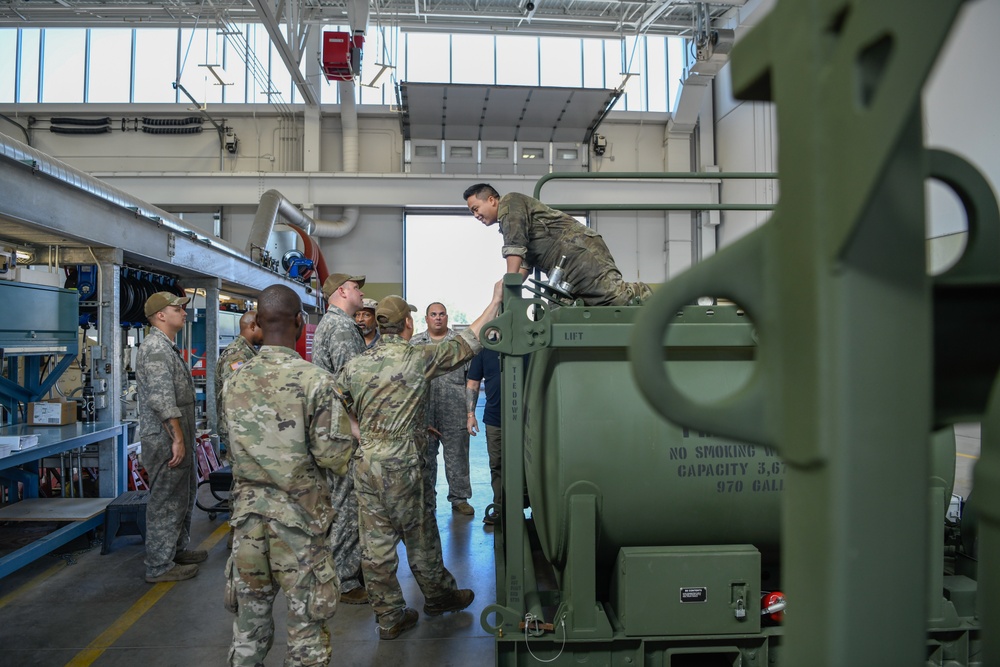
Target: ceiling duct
[351, 151]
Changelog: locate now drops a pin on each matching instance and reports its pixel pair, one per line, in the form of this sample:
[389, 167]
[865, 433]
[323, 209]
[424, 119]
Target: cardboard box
[51, 413]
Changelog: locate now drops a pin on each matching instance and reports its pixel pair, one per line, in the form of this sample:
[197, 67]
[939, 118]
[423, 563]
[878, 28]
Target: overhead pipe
[14, 150]
[335, 229]
[274, 205]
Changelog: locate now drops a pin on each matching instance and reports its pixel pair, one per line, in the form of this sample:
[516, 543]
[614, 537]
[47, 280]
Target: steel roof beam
[292, 58]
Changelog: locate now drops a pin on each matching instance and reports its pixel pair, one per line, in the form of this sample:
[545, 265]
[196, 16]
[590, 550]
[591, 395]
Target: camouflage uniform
[337, 341]
[166, 391]
[540, 235]
[235, 355]
[388, 385]
[287, 424]
[447, 413]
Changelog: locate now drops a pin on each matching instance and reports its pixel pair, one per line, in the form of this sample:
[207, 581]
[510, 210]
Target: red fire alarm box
[342, 55]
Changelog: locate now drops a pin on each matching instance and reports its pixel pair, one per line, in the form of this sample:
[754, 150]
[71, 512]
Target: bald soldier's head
[249, 329]
[279, 315]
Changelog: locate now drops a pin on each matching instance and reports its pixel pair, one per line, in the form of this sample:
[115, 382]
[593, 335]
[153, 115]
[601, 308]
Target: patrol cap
[369, 304]
[161, 300]
[393, 310]
[335, 280]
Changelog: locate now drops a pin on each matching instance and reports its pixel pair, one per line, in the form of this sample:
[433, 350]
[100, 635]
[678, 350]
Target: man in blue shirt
[486, 366]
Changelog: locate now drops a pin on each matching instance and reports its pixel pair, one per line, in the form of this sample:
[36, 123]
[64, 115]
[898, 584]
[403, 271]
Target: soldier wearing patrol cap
[166, 433]
[388, 385]
[365, 319]
[337, 340]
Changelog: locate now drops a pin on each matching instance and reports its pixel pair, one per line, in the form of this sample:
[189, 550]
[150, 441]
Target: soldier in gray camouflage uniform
[388, 385]
[447, 421]
[166, 432]
[237, 353]
[336, 341]
[535, 235]
[288, 427]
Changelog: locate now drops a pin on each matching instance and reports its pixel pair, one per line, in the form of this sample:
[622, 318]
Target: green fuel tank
[587, 428]
[640, 528]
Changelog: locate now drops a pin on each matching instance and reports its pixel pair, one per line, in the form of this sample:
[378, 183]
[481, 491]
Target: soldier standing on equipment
[166, 431]
[535, 235]
[237, 353]
[287, 423]
[337, 340]
[388, 386]
[446, 421]
[365, 319]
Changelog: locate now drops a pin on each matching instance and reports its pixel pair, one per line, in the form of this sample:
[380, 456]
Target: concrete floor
[88, 609]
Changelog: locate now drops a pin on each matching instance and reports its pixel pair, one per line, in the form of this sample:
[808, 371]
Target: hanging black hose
[130, 297]
[190, 120]
[80, 130]
[62, 120]
[171, 130]
[136, 286]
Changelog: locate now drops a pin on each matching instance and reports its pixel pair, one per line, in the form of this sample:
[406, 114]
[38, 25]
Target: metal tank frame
[558, 597]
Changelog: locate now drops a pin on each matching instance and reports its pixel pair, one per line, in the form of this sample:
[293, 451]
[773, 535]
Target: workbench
[81, 514]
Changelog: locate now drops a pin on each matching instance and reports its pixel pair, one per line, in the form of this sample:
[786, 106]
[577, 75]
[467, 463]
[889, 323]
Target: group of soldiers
[331, 459]
[289, 424]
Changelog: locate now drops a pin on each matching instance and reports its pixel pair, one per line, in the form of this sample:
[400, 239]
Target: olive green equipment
[861, 354]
